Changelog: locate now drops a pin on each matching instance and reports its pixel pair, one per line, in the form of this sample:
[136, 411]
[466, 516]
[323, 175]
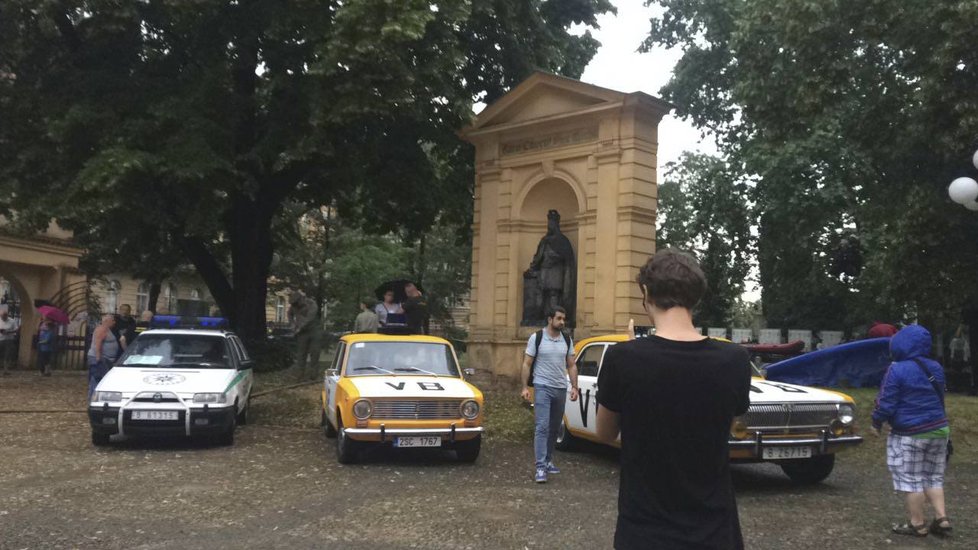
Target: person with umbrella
[46, 338]
[387, 307]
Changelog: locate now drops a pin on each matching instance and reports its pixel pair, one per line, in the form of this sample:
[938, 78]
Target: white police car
[175, 382]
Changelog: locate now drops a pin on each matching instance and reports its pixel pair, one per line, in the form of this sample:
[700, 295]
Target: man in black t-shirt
[672, 398]
[415, 309]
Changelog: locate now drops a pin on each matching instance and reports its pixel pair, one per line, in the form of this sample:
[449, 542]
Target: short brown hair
[672, 279]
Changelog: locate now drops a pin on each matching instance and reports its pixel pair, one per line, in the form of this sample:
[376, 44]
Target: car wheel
[565, 440]
[346, 448]
[243, 415]
[100, 440]
[809, 471]
[468, 451]
[328, 428]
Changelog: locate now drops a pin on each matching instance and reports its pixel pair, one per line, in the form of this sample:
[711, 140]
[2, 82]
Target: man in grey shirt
[366, 321]
[551, 360]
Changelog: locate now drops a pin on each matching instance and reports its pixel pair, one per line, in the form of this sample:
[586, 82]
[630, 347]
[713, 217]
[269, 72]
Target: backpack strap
[933, 381]
[539, 340]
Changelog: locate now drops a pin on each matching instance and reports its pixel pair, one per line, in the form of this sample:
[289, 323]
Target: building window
[280, 309]
[142, 298]
[112, 296]
[170, 298]
[195, 294]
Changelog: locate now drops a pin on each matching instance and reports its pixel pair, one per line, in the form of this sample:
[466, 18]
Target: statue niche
[551, 279]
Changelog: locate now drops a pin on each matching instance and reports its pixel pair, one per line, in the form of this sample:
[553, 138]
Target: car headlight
[210, 398]
[362, 409]
[847, 414]
[469, 409]
[738, 428]
[108, 396]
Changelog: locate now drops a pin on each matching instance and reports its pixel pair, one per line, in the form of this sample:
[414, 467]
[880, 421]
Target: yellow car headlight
[469, 410]
[738, 428]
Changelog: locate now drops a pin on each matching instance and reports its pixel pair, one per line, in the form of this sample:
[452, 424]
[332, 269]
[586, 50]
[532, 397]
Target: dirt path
[280, 486]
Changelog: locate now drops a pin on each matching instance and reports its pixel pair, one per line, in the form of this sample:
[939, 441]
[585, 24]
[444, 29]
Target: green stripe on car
[237, 379]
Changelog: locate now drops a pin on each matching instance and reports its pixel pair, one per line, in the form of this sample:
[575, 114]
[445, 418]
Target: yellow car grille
[416, 410]
[790, 415]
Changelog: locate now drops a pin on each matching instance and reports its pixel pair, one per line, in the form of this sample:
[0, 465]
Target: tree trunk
[251, 259]
[155, 287]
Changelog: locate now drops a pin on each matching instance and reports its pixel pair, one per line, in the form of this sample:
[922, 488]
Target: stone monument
[551, 280]
[589, 153]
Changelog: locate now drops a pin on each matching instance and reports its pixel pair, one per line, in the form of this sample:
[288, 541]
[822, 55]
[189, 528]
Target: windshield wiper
[416, 369]
[373, 367]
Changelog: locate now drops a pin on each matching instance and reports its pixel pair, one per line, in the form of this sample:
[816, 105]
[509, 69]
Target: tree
[209, 115]
[852, 116]
[703, 210]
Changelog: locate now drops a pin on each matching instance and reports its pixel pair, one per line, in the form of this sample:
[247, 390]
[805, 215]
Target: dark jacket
[907, 400]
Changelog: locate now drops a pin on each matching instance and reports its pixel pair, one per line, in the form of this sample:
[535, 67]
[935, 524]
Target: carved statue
[551, 279]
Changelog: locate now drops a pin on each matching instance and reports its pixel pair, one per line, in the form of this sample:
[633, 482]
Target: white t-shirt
[9, 327]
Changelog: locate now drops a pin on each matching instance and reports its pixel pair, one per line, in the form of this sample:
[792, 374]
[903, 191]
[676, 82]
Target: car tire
[346, 448]
[809, 471]
[243, 415]
[100, 440]
[328, 428]
[565, 440]
[468, 451]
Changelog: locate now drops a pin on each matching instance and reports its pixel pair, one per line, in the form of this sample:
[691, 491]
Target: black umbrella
[397, 286]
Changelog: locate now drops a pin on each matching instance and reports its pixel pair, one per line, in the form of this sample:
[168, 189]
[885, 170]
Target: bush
[271, 355]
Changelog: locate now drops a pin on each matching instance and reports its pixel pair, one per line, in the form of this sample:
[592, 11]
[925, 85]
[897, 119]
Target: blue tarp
[859, 364]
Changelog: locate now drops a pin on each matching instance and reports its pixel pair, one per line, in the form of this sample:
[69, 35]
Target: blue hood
[912, 341]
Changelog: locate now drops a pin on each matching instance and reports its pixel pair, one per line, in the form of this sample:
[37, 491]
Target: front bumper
[191, 421]
[823, 443]
[384, 434]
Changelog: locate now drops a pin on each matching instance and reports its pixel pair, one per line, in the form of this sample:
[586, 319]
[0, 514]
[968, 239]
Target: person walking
[46, 338]
[105, 349]
[304, 316]
[548, 362]
[8, 340]
[672, 397]
[911, 401]
[367, 320]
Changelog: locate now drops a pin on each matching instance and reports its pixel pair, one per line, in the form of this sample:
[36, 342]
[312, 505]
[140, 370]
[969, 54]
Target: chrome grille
[416, 410]
[785, 415]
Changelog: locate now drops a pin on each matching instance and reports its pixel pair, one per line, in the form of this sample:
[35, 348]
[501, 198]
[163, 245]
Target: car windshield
[177, 351]
[400, 358]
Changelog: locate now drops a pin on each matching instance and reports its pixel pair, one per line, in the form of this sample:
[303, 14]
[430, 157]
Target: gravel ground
[280, 486]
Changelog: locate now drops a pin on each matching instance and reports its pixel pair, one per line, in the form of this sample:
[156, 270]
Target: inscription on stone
[549, 141]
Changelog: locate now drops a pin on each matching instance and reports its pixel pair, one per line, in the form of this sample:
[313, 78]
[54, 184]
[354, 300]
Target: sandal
[910, 529]
[940, 530]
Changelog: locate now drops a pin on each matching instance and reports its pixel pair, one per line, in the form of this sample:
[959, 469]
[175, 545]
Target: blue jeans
[96, 371]
[548, 411]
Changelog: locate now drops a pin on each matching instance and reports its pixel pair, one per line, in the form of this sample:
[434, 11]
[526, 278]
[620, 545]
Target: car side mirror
[469, 372]
[246, 364]
[331, 373]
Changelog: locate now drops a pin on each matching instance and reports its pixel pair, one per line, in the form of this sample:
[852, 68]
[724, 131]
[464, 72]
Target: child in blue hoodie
[911, 401]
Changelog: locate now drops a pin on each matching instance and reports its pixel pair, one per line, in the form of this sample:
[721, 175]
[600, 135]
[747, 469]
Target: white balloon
[974, 158]
[973, 206]
[963, 190]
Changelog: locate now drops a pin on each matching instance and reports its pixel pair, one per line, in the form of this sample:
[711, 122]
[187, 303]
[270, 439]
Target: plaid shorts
[916, 464]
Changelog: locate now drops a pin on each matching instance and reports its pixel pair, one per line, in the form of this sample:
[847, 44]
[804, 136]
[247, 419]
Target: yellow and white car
[401, 390]
[797, 427]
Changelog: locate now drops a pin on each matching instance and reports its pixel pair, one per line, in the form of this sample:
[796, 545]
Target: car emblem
[164, 379]
[157, 397]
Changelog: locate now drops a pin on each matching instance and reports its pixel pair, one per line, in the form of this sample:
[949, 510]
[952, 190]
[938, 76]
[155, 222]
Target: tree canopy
[703, 210]
[197, 120]
[853, 116]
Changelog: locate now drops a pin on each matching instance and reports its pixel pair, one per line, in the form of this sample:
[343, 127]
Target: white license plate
[417, 441]
[155, 415]
[786, 453]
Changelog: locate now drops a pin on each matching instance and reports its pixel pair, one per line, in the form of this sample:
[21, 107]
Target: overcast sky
[619, 66]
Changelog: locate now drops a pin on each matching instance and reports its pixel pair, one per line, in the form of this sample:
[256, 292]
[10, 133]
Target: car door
[581, 415]
[245, 365]
[331, 380]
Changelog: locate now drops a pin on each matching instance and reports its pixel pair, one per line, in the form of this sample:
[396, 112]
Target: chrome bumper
[824, 442]
[384, 432]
